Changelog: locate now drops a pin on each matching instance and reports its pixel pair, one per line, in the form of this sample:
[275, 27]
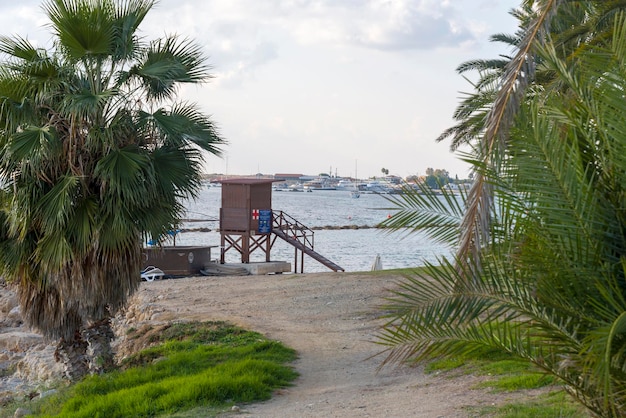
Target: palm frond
[482, 65]
[128, 16]
[517, 75]
[20, 48]
[183, 125]
[85, 29]
[56, 205]
[120, 173]
[419, 208]
[168, 62]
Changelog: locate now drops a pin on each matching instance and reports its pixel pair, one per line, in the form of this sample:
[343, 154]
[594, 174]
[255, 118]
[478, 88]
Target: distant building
[287, 176]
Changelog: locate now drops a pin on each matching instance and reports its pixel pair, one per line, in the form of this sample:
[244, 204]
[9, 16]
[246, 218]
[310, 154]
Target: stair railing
[294, 228]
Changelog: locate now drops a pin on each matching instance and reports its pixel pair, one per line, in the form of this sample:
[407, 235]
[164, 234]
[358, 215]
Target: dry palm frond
[515, 80]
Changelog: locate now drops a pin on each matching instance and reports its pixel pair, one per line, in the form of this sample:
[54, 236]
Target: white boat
[381, 186]
[346, 184]
[319, 184]
[298, 187]
[281, 187]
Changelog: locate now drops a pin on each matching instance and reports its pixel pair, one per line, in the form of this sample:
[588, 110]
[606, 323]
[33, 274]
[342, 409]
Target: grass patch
[200, 367]
[550, 405]
[482, 361]
[509, 374]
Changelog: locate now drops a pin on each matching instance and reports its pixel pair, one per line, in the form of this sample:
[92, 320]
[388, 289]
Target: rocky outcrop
[26, 359]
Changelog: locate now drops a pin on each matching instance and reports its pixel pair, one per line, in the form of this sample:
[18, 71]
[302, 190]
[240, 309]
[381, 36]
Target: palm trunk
[99, 352]
[73, 355]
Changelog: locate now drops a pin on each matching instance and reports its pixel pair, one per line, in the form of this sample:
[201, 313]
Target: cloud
[413, 25]
[25, 19]
[243, 36]
[380, 24]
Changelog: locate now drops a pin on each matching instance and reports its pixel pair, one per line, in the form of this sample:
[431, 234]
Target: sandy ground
[331, 319]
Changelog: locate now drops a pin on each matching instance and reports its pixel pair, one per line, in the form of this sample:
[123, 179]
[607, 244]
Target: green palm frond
[85, 29]
[178, 168]
[52, 253]
[86, 172]
[168, 62]
[183, 125]
[56, 206]
[482, 65]
[471, 113]
[121, 174]
[34, 143]
[86, 103]
[419, 208]
[21, 49]
[506, 38]
[550, 285]
[128, 16]
[429, 317]
[198, 129]
[82, 226]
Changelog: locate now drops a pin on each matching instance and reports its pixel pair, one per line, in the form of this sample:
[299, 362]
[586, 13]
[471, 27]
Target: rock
[46, 393]
[8, 301]
[38, 365]
[21, 412]
[15, 314]
[16, 340]
[6, 398]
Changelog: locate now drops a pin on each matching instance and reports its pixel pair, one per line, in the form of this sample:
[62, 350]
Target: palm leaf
[56, 206]
[168, 62]
[85, 29]
[518, 73]
[419, 208]
[121, 174]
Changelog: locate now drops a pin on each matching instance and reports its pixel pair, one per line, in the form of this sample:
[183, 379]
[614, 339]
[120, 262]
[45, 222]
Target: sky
[316, 86]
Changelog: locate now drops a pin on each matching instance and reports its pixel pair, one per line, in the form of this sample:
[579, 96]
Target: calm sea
[352, 249]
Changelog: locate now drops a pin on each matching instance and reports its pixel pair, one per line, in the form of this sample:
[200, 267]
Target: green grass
[550, 405]
[199, 367]
[508, 374]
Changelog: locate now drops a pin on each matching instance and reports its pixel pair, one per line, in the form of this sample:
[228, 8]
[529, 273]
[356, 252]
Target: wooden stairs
[301, 237]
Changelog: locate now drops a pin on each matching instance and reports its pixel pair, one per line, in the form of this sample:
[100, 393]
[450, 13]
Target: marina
[345, 230]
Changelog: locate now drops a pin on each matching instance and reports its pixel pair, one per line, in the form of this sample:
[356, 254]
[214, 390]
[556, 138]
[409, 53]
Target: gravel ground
[331, 320]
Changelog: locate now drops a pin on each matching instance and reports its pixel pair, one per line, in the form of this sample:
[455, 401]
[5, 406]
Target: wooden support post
[245, 249]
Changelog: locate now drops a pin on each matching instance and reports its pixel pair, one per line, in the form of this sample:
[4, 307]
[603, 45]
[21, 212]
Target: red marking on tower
[255, 214]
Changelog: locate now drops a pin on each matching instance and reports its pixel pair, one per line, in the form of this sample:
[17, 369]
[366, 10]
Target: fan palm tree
[548, 284]
[96, 159]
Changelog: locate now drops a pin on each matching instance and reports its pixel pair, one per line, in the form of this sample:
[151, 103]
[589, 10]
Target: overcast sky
[308, 86]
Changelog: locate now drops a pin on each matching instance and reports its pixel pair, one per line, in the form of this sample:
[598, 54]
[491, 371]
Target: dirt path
[330, 319]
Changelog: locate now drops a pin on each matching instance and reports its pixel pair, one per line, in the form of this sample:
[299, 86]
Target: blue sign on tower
[265, 221]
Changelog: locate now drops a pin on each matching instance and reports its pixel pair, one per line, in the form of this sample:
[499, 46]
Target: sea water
[354, 247]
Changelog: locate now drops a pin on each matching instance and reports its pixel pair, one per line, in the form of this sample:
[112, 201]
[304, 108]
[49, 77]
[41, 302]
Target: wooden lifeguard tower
[248, 223]
[246, 216]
